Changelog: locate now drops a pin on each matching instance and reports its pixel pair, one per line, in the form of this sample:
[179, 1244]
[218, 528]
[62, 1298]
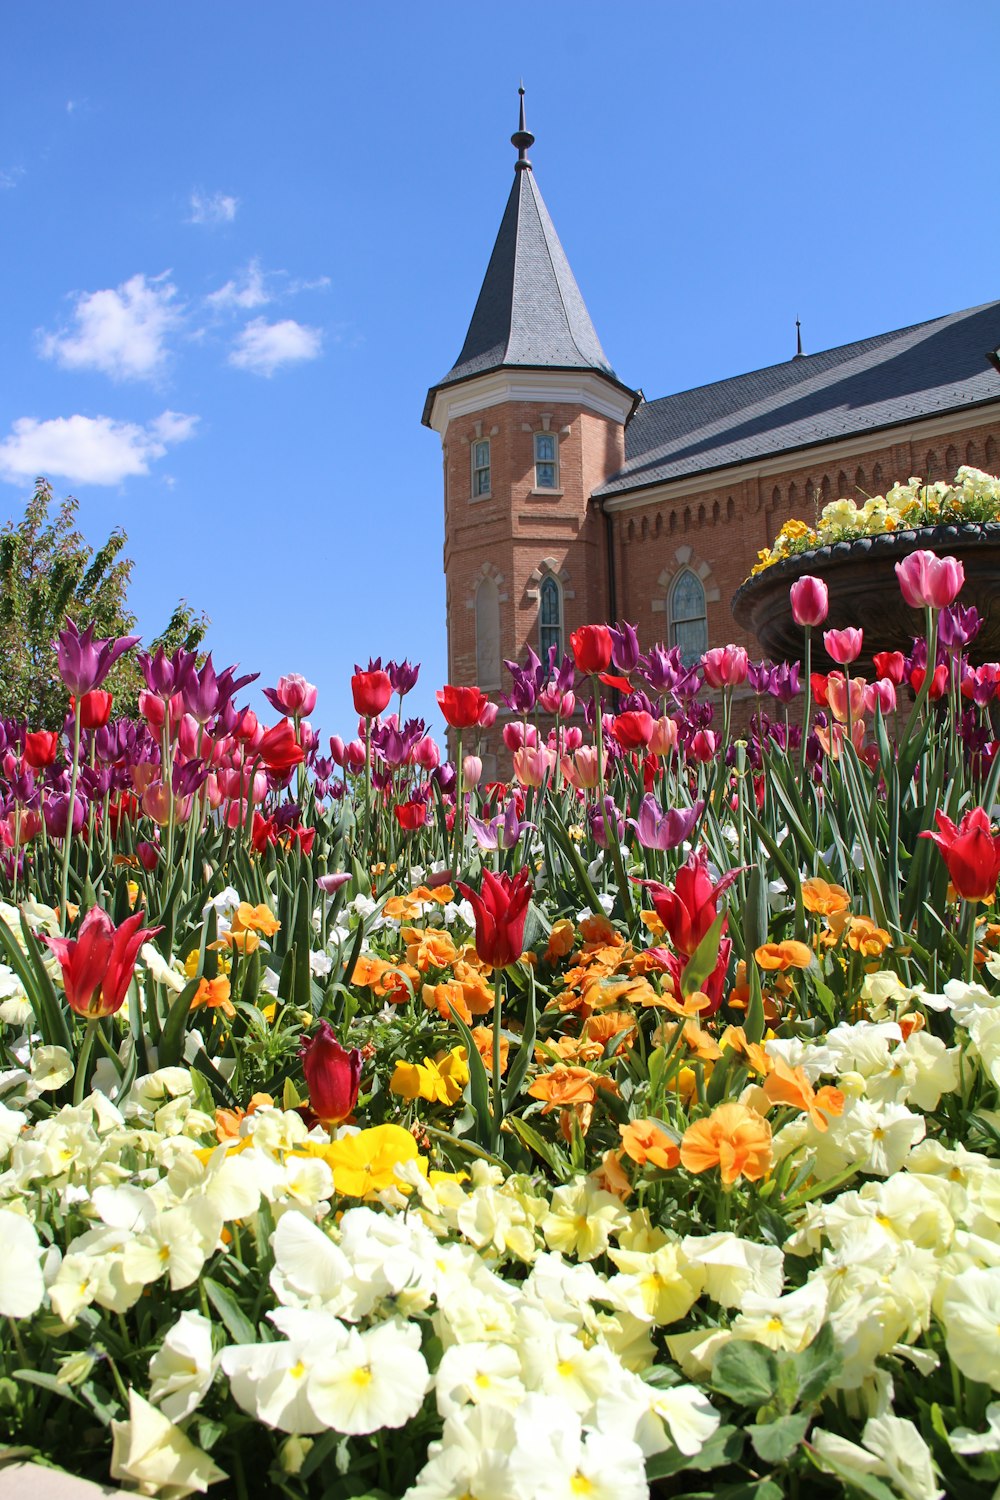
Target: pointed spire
[522, 138]
[798, 341]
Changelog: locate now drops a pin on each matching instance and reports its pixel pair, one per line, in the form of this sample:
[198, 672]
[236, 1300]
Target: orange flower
[610, 1177]
[695, 1039]
[563, 1087]
[476, 988]
[599, 994]
[260, 919]
[865, 938]
[431, 948]
[733, 1138]
[646, 1141]
[384, 979]
[214, 995]
[819, 896]
[785, 1085]
[784, 955]
[909, 1024]
[483, 1038]
[597, 929]
[238, 941]
[227, 1121]
[561, 940]
[653, 923]
[612, 1023]
[754, 1054]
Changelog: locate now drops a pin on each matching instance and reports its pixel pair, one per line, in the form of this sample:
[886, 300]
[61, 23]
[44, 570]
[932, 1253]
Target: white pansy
[476, 1372]
[22, 1286]
[309, 1269]
[271, 1381]
[157, 1457]
[182, 1368]
[732, 1267]
[893, 1449]
[984, 1030]
[558, 1363]
[12, 1122]
[971, 1316]
[580, 1220]
[376, 1379]
[883, 1135]
[789, 1323]
[224, 905]
[964, 1440]
[176, 1242]
[656, 1417]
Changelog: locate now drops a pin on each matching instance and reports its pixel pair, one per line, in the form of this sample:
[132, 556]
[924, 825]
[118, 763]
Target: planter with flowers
[854, 550]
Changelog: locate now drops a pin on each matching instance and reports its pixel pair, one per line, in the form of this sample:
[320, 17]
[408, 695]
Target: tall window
[480, 467]
[487, 634]
[549, 618]
[546, 461]
[687, 624]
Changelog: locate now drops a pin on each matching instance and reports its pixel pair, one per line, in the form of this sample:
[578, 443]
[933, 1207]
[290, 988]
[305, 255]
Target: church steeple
[530, 313]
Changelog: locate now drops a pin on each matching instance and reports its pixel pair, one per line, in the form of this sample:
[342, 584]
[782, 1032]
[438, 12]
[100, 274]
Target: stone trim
[486, 570]
[684, 558]
[534, 584]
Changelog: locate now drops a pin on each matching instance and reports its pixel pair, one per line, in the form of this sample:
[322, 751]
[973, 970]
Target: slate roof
[921, 371]
[530, 313]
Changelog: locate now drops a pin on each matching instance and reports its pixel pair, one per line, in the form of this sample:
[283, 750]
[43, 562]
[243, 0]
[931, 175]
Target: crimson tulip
[501, 909]
[971, 852]
[891, 664]
[411, 815]
[810, 601]
[592, 647]
[461, 706]
[40, 748]
[332, 1073]
[372, 691]
[97, 966]
[634, 729]
[95, 708]
[688, 911]
[279, 749]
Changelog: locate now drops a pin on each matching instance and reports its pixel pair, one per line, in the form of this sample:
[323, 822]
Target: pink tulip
[810, 601]
[517, 735]
[704, 746]
[725, 666]
[293, 696]
[472, 772]
[843, 645]
[572, 738]
[354, 756]
[880, 694]
[487, 715]
[928, 581]
[533, 764]
[213, 795]
[580, 770]
[236, 814]
[550, 701]
[426, 754]
[664, 737]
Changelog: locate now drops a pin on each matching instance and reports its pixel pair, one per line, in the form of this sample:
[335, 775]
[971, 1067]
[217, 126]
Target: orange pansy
[865, 938]
[646, 1141]
[733, 1138]
[787, 954]
[822, 897]
[785, 1085]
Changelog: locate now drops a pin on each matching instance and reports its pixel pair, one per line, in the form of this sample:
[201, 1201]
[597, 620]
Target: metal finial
[798, 340]
[522, 139]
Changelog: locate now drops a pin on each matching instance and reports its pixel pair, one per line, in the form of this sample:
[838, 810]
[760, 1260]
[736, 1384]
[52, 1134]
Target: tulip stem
[68, 834]
[497, 1097]
[599, 733]
[970, 941]
[83, 1061]
[807, 710]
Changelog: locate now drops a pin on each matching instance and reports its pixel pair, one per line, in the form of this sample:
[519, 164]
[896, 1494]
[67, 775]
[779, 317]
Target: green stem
[68, 836]
[83, 1061]
[497, 1096]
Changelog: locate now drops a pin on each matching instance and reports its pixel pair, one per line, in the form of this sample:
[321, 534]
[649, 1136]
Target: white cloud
[248, 291]
[89, 450]
[11, 177]
[121, 331]
[262, 347]
[213, 208]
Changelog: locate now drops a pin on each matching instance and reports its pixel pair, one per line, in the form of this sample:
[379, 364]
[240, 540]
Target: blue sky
[238, 242]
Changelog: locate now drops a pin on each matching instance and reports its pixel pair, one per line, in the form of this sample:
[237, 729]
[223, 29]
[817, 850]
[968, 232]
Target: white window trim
[560, 596]
[671, 623]
[486, 494]
[546, 489]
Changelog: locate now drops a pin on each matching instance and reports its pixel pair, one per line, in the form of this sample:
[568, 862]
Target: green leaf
[774, 1442]
[723, 1447]
[547, 1150]
[526, 1050]
[854, 1480]
[171, 1048]
[49, 1383]
[818, 1365]
[478, 1085]
[745, 1372]
[238, 1325]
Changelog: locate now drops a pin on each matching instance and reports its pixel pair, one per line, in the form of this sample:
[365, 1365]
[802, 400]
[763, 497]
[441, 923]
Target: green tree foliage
[49, 571]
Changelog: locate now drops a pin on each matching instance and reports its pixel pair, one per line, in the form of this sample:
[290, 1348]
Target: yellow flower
[365, 1164]
[441, 1079]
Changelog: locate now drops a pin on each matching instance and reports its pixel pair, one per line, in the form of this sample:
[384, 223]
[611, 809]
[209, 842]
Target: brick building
[570, 498]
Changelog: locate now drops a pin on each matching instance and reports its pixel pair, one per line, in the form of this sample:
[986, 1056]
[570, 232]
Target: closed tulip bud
[704, 746]
[891, 664]
[372, 691]
[842, 693]
[148, 854]
[592, 646]
[354, 757]
[533, 764]
[843, 645]
[880, 694]
[580, 770]
[472, 772]
[332, 1074]
[664, 737]
[293, 695]
[487, 715]
[725, 666]
[40, 748]
[95, 709]
[572, 738]
[928, 581]
[633, 730]
[427, 754]
[810, 601]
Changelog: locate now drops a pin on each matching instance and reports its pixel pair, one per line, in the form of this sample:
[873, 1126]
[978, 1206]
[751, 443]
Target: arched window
[487, 634]
[687, 625]
[550, 621]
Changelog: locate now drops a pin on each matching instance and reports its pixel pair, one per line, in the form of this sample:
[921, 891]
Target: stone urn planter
[864, 591]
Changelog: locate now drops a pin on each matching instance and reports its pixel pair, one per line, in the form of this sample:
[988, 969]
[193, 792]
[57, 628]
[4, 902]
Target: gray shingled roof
[922, 371]
[530, 312]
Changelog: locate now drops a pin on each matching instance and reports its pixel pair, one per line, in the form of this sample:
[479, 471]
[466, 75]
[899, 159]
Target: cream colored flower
[156, 1457]
[182, 1368]
[581, 1220]
[22, 1287]
[971, 1316]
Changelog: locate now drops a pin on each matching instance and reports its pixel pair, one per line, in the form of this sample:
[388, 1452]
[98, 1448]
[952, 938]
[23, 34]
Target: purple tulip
[56, 813]
[328, 884]
[83, 662]
[600, 820]
[662, 668]
[958, 626]
[656, 829]
[166, 675]
[785, 684]
[625, 647]
[402, 676]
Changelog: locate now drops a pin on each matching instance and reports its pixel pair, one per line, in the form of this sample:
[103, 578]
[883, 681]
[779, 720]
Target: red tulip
[333, 1075]
[411, 815]
[461, 706]
[891, 664]
[938, 685]
[279, 749]
[592, 646]
[98, 965]
[95, 708]
[688, 911]
[633, 729]
[972, 853]
[372, 691]
[40, 748]
[501, 908]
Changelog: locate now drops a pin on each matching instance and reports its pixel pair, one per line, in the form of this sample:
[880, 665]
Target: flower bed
[628, 1128]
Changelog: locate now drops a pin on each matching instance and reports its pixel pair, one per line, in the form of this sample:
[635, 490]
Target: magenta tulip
[810, 601]
[928, 581]
[332, 1074]
[843, 645]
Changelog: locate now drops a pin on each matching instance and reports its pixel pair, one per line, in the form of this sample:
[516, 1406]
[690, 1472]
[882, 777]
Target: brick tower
[532, 420]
